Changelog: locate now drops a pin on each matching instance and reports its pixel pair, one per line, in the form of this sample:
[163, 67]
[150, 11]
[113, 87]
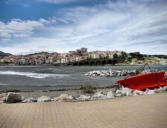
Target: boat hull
[143, 81]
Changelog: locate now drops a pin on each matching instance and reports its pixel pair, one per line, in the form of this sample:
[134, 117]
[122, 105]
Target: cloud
[17, 28]
[130, 26]
[57, 1]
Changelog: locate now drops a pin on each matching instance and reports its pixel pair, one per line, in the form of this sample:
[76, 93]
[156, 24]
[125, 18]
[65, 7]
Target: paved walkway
[128, 112]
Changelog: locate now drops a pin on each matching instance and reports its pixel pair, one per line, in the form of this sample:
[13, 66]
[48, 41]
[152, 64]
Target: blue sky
[28, 26]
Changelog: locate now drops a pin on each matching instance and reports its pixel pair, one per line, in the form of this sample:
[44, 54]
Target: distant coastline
[82, 57]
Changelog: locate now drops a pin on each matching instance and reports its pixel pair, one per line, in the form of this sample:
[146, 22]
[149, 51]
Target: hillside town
[77, 56]
[57, 58]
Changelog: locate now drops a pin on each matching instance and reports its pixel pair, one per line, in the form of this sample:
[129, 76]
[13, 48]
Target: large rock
[99, 95]
[110, 95]
[124, 91]
[137, 92]
[30, 100]
[14, 97]
[84, 98]
[149, 92]
[64, 97]
[164, 88]
[44, 99]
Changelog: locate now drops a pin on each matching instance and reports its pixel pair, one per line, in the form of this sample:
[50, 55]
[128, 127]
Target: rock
[84, 98]
[111, 73]
[164, 88]
[99, 95]
[63, 97]
[118, 95]
[44, 99]
[149, 92]
[30, 100]
[124, 91]
[158, 90]
[14, 97]
[3, 95]
[2, 100]
[110, 95]
[137, 92]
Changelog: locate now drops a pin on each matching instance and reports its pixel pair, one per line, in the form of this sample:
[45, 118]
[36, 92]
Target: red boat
[146, 80]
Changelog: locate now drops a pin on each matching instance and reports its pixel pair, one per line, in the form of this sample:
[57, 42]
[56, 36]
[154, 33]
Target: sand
[128, 112]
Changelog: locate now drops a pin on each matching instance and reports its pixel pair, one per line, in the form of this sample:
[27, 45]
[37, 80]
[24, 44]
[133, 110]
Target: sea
[49, 78]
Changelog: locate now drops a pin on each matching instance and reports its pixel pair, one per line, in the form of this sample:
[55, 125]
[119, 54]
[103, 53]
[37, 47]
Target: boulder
[84, 97]
[149, 92]
[110, 95]
[14, 97]
[99, 95]
[30, 100]
[44, 99]
[158, 90]
[164, 88]
[64, 97]
[124, 91]
[137, 92]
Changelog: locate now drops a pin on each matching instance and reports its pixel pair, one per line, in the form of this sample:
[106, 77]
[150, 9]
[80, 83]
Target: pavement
[128, 112]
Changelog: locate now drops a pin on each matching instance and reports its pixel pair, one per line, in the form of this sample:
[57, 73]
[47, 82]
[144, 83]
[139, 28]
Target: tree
[115, 56]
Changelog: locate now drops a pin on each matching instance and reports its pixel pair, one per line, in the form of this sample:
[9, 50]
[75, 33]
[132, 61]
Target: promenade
[128, 112]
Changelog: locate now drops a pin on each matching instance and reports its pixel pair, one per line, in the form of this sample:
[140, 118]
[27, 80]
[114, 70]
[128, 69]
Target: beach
[128, 112]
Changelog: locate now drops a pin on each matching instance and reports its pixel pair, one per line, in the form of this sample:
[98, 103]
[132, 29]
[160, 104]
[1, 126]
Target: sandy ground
[129, 112]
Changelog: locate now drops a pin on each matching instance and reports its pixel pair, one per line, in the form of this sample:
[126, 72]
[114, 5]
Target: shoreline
[56, 92]
[76, 95]
[43, 65]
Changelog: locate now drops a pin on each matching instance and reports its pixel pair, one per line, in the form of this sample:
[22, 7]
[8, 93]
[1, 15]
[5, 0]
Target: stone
[110, 95]
[64, 97]
[14, 97]
[118, 95]
[84, 97]
[2, 99]
[44, 99]
[30, 100]
[149, 92]
[158, 90]
[99, 95]
[124, 91]
[3, 95]
[164, 88]
[137, 92]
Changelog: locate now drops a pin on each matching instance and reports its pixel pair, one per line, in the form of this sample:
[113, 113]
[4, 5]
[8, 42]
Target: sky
[29, 26]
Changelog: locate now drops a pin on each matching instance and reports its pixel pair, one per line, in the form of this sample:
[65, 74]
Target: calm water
[32, 78]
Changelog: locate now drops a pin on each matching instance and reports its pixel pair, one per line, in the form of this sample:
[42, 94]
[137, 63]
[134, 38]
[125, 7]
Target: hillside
[2, 54]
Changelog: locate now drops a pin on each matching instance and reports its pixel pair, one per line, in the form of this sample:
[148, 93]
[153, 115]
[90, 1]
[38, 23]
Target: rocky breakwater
[98, 95]
[113, 73]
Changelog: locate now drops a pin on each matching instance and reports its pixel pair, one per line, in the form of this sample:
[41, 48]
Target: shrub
[88, 89]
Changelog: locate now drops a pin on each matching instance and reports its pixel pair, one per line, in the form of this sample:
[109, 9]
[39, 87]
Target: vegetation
[88, 89]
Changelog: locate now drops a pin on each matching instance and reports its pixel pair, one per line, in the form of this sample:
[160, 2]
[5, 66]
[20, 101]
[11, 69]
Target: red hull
[143, 81]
